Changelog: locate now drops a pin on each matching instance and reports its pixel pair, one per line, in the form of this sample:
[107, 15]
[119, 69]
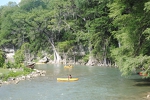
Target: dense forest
[100, 32]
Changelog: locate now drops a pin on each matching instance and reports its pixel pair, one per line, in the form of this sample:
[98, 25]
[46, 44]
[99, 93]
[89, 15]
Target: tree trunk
[64, 58]
[91, 58]
[57, 57]
[104, 55]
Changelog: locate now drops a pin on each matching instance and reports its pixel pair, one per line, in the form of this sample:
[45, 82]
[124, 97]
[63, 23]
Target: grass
[4, 71]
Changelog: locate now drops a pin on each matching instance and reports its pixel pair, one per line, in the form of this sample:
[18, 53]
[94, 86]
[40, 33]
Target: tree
[129, 20]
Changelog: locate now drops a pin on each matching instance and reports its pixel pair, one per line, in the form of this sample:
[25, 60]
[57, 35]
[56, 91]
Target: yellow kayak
[68, 66]
[67, 79]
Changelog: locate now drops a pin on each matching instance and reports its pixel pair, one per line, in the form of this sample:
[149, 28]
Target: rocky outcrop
[44, 60]
[31, 65]
[9, 52]
[92, 61]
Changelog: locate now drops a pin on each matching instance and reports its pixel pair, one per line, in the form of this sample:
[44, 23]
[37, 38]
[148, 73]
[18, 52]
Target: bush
[25, 71]
[13, 65]
[19, 56]
[86, 58]
[11, 74]
[2, 58]
[8, 65]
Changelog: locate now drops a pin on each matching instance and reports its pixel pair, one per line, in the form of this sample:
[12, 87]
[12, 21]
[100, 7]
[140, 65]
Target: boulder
[44, 60]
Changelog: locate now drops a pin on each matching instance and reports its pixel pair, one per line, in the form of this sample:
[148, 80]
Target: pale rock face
[43, 60]
[148, 96]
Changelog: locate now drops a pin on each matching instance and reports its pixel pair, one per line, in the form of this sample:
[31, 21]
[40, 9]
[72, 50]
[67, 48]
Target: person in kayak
[69, 76]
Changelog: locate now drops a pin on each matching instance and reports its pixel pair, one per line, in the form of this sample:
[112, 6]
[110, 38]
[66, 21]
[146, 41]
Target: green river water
[95, 83]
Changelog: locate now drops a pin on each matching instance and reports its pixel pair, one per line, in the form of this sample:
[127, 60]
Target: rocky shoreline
[16, 80]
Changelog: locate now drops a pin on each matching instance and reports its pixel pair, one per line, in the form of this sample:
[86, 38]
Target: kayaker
[70, 76]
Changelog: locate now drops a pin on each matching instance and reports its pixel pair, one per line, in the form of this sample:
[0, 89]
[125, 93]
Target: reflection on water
[95, 83]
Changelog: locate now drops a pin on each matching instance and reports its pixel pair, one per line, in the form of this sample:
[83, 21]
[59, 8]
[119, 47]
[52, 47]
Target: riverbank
[16, 80]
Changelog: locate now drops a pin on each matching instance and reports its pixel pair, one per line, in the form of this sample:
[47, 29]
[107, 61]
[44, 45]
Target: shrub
[19, 56]
[8, 65]
[2, 58]
[86, 58]
[11, 74]
[25, 71]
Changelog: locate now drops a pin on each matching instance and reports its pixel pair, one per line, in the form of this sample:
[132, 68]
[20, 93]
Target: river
[95, 83]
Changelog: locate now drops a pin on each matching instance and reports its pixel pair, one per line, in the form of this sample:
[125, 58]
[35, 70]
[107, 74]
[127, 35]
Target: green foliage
[129, 65]
[9, 65]
[132, 35]
[6, 76]
[86, 58]
[28, 5]
[2, 58]
[27, 70]
[39, 54]
[111, 29]
[147, 6]
[65, 46]
[4, 70]
[19, 56]
[11, 74]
